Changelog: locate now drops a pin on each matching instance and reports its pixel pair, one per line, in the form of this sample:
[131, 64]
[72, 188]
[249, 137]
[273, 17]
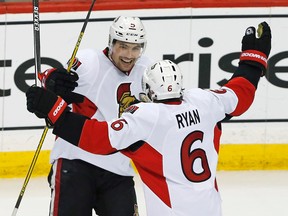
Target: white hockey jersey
[107, 91]
[175, 146]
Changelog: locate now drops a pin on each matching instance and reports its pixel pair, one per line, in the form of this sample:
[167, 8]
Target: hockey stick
[71, 61]
[36, 27]
[37, 57]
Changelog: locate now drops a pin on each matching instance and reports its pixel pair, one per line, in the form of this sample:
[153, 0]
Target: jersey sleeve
[245, 93]
[83, 61]
[238, 94]
[86, 66]
[86, 108]
[108, 137]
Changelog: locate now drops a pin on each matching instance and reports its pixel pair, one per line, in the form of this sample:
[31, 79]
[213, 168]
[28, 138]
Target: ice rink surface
[249, 193]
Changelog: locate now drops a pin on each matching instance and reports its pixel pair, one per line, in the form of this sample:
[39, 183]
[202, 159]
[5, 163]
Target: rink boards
[205, 42]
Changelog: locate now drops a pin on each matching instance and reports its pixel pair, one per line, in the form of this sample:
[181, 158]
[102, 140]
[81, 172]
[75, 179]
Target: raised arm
[252, 66]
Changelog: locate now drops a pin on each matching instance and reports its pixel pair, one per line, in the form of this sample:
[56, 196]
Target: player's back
[185, 135]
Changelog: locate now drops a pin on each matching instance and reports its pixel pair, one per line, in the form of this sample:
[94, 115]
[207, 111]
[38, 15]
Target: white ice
[249, 193]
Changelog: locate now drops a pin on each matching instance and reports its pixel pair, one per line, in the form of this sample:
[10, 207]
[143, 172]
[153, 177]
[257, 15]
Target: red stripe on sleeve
[149, 164]
[86, 108]
[216, 140]
[245, 92]
[95, 139]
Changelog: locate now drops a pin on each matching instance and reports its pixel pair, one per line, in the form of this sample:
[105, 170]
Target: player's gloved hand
[256, 50]
[62, 83]
[45, 104]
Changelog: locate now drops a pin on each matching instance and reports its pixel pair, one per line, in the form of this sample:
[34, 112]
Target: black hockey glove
[62, 83]
[45, 104]
[256, 50]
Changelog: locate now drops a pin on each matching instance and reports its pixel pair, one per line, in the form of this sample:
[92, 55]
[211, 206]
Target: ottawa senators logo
[124, 97]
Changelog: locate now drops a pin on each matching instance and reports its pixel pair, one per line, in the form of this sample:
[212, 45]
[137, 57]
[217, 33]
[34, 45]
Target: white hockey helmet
[163, 80]
[127, 29]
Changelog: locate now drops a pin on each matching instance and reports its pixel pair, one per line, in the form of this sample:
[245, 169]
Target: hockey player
[109, 81]
[173, 141]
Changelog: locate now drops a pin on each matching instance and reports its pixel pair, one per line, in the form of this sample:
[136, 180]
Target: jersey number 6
[188, 158]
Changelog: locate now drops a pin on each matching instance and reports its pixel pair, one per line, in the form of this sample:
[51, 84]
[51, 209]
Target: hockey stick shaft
[36, 26]
[29, 173]
[71, 61]
[36, 31]
[37, 57]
